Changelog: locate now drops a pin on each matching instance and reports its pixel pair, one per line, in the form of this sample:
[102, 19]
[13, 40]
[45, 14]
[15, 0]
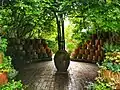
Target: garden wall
[25, 51]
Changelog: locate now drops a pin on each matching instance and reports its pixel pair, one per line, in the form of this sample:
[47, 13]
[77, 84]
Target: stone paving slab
[43, 76]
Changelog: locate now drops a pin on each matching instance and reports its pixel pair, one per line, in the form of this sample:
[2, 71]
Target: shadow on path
[43, 76]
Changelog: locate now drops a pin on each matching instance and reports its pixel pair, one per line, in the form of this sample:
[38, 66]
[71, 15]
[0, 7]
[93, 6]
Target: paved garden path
[43, 76]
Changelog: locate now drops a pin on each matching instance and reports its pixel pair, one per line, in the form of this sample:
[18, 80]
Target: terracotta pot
[99, 47]
[94, 47]
[77, 50]
[40, 45]
[101, 42]
[92, 52]
[89, 58]
[88, 42]
[94, 58]
[39, 41]
[73, 55]
[1, 57]
[38, 51]
[43, 50]
[82, 51]
[102, 53]
[80, 47]
[91, 42]
[79, 56]
[84, 56]
[97, 53]
[48, 50]
[45, 45]
[50, 54]
[84, 46]
[3, 78]
[99, 58]
[87, 51]
[89, 46]
[97, 42]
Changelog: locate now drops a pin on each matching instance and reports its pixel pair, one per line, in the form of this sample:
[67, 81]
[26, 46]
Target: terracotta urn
[62, 60]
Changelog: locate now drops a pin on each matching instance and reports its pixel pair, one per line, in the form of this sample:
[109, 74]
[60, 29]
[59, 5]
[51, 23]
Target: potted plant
[5, 70]
[100, 84]
[12, 85]
[111, 68]
[3, 78]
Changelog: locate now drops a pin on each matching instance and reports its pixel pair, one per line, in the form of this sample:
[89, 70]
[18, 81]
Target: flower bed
[7, 71]
[109, 73]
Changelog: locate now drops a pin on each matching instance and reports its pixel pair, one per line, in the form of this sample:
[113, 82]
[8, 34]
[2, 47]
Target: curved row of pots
[89, 51]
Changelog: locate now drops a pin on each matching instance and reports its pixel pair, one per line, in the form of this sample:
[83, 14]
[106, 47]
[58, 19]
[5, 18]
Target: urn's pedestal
[62, 60]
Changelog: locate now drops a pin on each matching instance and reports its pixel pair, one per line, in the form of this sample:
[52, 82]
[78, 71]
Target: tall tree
[21, 18]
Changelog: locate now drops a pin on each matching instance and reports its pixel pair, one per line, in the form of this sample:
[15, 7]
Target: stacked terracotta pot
[28, 50]
[91, 51]
[3, 78]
